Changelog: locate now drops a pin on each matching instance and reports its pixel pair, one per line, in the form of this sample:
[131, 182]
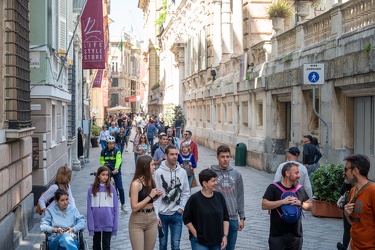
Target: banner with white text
[93, 54]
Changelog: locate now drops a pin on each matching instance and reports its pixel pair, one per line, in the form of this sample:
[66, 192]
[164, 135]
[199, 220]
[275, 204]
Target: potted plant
[326, 184]
[278, 11]
[95, 132]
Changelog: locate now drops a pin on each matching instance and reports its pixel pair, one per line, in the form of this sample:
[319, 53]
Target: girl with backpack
[102, 210]
[187, 161]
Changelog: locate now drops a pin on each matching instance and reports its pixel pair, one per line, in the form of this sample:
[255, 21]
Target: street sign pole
[313, 74]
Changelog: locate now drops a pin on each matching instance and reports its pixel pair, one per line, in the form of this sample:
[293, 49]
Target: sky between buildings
[126, 16]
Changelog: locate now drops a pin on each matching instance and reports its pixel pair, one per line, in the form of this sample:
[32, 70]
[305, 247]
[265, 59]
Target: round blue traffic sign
[313, 77]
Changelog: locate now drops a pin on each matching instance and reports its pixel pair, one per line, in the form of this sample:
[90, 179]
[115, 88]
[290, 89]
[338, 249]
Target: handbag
[38, 210]
[195, 182]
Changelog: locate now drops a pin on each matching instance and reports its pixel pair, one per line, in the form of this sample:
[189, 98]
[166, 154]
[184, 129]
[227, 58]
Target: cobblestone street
[319, 233]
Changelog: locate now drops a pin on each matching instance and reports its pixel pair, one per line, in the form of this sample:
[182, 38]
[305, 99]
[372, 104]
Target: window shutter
[62, 27]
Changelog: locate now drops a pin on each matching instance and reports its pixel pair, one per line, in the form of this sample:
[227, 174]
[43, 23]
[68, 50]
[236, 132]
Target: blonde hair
[63, 176]
[185, 145]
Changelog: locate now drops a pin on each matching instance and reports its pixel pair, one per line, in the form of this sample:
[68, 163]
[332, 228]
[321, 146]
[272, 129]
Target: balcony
[343, 19]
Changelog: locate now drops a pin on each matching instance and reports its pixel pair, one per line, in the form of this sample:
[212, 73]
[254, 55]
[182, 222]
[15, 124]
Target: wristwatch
[226, 235]
[244, 218]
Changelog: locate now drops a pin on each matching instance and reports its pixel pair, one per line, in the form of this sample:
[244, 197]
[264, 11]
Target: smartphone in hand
[161, 232]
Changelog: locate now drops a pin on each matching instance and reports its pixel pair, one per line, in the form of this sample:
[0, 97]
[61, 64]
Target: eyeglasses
[185, 134]
[346, 169]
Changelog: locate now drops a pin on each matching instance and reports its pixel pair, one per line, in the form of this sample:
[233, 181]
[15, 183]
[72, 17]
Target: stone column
[226, 29]
[237, 26]
[217, 33]
[181, 73]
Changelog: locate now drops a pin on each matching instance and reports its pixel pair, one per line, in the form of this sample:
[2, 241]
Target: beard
[352, 181]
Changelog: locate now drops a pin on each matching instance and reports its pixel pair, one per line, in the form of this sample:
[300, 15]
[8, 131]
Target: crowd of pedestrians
[161, 200]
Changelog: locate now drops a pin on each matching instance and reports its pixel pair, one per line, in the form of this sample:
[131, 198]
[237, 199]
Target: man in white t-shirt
[292, 156]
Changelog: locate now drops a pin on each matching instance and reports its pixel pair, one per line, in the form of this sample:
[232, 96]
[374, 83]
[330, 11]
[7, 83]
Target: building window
[53, 125]
[229, 113]
[114, 82]
[219, 113]
[245, 114]
[64, 118]
[260, 114]
[114, 100]
[17, 72]
[208, 113]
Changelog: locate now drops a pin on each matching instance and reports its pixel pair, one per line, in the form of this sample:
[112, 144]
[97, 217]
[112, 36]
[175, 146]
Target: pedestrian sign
[313, 73]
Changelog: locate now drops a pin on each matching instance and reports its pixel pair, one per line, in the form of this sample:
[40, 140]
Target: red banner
[98, 79]
[131, 99]
[93, 36]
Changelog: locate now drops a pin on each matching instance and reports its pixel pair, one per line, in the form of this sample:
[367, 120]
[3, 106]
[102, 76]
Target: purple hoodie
[102, 211]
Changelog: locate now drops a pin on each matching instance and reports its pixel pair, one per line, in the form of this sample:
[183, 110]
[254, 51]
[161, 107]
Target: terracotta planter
[324, 209]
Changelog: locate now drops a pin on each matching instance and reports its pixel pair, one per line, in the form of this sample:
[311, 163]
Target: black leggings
[102, 240]
[346, 235]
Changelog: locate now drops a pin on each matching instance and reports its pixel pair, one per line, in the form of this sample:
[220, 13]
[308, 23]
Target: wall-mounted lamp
[213, 74]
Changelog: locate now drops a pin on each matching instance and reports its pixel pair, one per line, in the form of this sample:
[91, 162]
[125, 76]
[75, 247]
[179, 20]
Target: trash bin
[241, 152]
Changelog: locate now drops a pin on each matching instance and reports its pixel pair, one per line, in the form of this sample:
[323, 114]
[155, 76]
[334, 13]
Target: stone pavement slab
[319, 233]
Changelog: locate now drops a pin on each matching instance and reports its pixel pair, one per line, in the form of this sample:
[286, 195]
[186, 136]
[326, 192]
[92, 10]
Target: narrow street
[319, 233]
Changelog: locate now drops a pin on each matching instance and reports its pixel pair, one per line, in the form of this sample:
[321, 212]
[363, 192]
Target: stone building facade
[16, 199]
[124, 64]
[242, 82]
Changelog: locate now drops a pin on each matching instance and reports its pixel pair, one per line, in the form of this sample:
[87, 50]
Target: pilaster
[217, 37]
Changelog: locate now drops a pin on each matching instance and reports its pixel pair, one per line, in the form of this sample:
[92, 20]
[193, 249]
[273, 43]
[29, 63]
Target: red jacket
[193, 149]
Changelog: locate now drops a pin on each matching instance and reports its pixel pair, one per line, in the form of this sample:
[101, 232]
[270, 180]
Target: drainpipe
[324, 122]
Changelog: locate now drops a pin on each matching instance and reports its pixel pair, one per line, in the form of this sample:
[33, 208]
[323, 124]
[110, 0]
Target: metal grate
[17, 77]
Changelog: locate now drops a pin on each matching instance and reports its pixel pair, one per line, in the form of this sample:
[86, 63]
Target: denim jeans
[190, 179]
[232, 234]
[135, 158]
[196, 246]
[102, 240]
[151, 141]
[121, 147]
[103, 143]
[311, 169]
[118, 182]
[178, 132]
[63, 241]
[174, 222]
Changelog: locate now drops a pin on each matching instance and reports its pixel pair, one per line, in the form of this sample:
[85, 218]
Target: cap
[308, 137]
[293, 150]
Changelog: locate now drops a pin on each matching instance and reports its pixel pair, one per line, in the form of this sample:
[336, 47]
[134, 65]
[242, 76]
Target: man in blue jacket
[152, 131]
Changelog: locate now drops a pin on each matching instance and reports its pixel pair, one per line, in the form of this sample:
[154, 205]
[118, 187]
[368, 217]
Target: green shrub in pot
[326, 182]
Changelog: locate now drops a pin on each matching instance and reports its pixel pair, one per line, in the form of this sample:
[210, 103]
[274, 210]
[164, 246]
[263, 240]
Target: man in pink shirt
[193, 144]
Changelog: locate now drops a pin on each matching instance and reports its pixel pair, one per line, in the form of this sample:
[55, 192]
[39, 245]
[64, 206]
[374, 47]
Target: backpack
[289, 213]
[185, 164]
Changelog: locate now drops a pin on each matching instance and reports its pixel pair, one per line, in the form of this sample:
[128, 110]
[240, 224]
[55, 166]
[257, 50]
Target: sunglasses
[185, 134]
